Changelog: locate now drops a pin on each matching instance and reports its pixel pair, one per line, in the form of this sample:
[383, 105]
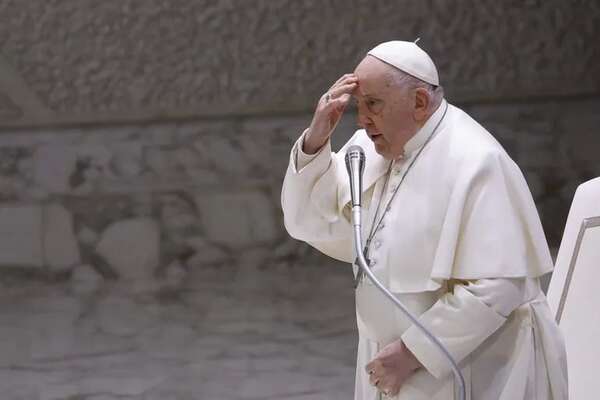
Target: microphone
[355, 165]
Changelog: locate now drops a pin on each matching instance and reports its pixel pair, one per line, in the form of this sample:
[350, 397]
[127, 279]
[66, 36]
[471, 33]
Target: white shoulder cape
[464, 210]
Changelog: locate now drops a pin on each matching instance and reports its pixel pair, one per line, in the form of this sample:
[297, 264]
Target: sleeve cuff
[301, 160]
[460, 321]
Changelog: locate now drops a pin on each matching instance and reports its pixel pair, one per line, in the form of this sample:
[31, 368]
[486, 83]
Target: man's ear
[422, 102]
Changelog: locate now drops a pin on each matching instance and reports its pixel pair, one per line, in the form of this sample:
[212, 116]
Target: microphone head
[355, 152]
[355, 149]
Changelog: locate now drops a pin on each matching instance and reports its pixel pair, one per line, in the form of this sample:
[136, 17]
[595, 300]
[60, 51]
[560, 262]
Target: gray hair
[406, 82]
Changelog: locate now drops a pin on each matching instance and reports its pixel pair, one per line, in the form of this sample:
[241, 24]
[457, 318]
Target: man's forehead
[371, 67]
[357, 92]
[362, 91]
[366, 89]
[372, 77]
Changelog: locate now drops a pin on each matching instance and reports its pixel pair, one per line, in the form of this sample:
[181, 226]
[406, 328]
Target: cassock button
[377, 244]
[373, 263]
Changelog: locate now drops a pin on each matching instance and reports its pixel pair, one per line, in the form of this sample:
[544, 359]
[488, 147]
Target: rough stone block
[131, 247]
[237, 219]
[21, 237]
[53, 167]
[61, 250]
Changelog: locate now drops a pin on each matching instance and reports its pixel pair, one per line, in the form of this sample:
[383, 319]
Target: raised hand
[328, 113]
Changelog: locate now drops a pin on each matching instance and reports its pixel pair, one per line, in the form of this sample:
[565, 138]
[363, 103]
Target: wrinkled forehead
[373, 76]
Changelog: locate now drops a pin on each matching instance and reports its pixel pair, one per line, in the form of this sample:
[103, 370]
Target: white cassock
[461, 245]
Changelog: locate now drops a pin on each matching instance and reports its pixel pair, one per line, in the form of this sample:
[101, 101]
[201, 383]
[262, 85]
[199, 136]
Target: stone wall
[136, 201]
[81, 61]
[142, 201]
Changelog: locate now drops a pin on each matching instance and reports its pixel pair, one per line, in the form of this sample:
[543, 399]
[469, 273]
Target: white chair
[574, 291]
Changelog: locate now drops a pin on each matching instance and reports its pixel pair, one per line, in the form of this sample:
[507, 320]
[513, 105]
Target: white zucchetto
[407, 57]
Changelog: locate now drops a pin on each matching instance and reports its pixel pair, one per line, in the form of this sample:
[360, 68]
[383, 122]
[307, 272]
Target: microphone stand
[459, 390]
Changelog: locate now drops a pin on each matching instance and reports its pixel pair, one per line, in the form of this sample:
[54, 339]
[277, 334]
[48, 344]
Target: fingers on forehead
[346, 88]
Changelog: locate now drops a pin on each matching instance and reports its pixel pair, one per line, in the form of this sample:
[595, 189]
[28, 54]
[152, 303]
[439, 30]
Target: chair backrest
[574, 291]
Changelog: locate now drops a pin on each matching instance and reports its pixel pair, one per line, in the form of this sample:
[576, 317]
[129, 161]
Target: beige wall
[175, 119]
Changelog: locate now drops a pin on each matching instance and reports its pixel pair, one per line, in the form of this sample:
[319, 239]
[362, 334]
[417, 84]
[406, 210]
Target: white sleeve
[309, 200]
[464, 319]
[502, 295]
[303, 159]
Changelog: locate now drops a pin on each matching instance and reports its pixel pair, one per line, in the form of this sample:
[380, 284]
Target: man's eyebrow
[372, 96]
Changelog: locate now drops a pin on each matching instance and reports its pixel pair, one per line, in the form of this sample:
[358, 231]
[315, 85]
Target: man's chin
[381, 150]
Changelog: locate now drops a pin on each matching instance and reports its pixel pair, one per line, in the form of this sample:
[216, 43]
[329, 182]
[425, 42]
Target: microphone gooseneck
[355, 164]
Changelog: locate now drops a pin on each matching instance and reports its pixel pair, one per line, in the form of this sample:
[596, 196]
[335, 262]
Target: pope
[451, 229]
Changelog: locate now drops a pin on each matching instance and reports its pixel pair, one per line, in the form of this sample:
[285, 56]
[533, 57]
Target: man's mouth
[375, 135]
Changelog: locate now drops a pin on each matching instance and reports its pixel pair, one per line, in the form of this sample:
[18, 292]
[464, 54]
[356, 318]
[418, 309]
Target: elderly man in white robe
[451, 229]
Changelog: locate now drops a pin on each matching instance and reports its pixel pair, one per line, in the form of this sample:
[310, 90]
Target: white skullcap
[407, 57]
